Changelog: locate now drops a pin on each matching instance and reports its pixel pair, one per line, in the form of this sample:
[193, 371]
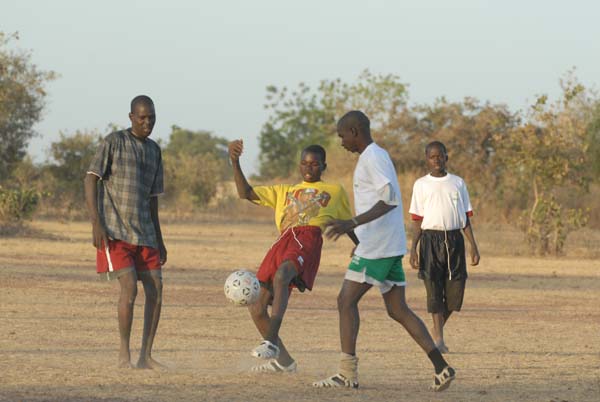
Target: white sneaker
[266, 350]
[273, 366]
[336, 381]
[442, 380]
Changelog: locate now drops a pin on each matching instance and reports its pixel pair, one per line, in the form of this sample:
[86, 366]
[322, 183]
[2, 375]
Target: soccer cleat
[273, 366]
[336, 381]
[266, 350]
[442, 380]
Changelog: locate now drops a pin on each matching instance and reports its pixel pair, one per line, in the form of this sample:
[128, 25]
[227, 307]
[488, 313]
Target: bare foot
[125, 363]
[442, 347]
[125, 359]
[150, 363]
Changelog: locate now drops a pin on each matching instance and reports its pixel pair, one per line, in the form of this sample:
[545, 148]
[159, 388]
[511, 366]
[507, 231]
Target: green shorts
[382, 272]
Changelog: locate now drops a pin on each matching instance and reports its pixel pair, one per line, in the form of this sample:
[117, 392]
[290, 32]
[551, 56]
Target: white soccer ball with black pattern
[242, 288]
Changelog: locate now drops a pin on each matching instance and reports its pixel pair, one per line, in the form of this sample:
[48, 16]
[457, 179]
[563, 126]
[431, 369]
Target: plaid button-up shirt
[131, 172]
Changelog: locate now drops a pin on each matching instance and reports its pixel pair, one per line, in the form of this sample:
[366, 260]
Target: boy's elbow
[90, 178]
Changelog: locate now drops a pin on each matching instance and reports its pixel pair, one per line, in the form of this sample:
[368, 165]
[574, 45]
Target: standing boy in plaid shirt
[121, 189]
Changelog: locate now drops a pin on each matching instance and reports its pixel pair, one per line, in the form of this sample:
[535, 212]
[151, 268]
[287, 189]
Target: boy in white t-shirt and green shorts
[377, 259]
[440, 208]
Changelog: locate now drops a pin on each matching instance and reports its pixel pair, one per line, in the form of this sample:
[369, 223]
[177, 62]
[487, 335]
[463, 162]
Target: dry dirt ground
[529, 329]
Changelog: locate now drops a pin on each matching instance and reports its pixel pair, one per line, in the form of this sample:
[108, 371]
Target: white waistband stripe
[110, 266]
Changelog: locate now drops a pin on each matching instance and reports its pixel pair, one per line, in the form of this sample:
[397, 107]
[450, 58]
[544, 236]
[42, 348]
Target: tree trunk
[536, 200]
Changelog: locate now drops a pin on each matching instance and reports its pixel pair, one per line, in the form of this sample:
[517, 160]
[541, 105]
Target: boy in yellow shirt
[301, 212]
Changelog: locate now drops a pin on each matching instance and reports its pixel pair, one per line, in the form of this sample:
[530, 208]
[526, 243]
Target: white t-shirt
[383, 237]
[441, 202]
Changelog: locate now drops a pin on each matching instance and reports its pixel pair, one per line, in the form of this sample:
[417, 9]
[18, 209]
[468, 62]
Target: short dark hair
[317, 150]
[355, 118]
[141, 99]
[435, 144]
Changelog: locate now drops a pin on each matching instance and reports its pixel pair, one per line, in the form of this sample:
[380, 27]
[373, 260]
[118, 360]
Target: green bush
[17, 204]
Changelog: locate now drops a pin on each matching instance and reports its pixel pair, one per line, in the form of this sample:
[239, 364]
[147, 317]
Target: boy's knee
[257, 310]
[284, 275]
[129, 293]
[154, 291]
[155, 295]
[344, 303]
[395, 314]
[398, 312]
[129, 285]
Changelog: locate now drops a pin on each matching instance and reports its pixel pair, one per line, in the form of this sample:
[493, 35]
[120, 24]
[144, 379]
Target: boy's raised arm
[244, 189]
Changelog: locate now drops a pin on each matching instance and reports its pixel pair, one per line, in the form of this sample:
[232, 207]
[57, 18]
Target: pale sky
[206, 63]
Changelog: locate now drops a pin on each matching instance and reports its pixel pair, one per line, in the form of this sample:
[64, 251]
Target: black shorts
[444, 296]
[443, 268]
[442, 255]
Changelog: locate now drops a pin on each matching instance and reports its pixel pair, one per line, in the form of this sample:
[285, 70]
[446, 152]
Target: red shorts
[302, 247]
[120, 254]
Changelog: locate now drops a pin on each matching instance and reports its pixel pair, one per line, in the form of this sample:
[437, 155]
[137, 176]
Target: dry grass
[529, 331]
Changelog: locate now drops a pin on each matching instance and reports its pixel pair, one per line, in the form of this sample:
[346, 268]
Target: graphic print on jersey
[301, 206]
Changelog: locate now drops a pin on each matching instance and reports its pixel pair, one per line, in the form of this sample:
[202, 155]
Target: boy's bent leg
[152, 281]
[260, 316]
[281, 282]
[128, 283]
[268, 348]
[395, 301]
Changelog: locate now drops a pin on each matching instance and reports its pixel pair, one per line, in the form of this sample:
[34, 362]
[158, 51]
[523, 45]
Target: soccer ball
[242, 288]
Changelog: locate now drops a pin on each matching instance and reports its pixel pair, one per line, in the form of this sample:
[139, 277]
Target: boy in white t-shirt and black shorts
[440, 208]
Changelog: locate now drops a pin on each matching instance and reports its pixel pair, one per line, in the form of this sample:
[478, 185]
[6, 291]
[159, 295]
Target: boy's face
[349, 138]
[311, 167]
[436, 161]
[142, 119]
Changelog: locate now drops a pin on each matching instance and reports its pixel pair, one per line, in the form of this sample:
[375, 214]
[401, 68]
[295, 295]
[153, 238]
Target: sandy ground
[529, 329]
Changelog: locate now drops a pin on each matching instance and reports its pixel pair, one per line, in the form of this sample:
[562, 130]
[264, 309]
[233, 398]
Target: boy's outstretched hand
[236, 148]
[336, 227]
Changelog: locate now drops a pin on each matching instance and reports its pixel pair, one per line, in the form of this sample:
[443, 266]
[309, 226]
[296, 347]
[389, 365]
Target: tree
[192, 180]
[593, 139]
[182, 141]
[303, 117]
[548, 154]
[469, 129]
[22, 99]
[72, 155]
[298, 119]
[195, 162]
